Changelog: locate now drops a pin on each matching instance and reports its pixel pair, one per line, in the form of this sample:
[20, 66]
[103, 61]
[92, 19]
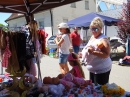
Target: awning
[30, 6]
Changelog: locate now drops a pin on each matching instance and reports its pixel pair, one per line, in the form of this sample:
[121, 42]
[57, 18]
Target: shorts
[63, 58]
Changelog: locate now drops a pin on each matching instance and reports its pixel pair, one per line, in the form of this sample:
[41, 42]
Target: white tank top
[99, 65]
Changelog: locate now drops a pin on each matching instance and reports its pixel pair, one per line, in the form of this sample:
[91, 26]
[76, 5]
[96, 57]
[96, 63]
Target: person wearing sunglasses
[101, 65]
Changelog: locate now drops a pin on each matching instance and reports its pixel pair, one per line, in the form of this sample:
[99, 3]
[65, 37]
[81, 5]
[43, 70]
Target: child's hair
[75, 59]
[67, 31]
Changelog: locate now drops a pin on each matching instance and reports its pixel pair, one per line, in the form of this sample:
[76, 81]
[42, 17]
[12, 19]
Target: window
[73, 5]
[41, 24]
[65, 20]
[87, 5]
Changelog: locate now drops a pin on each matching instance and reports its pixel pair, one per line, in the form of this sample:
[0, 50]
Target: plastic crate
[52, 50]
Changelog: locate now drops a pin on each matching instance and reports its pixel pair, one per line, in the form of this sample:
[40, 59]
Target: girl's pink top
[77, 72]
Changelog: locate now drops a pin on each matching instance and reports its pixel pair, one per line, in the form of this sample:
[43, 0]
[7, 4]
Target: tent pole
[29, 18]
[51, 21]
[105, 30]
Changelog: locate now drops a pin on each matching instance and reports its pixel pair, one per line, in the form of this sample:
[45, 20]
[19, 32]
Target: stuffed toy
[60, 76]
[55, 80]
[57, 90]
[68, 77]
[44, 88]
[86, 56]
[67, 84]
[47, 80]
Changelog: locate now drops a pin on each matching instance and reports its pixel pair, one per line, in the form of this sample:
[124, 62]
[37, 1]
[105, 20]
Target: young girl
[63, 45]
[76, 70]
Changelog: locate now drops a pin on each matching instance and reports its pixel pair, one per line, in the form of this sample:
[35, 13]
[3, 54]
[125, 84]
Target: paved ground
[119, 74]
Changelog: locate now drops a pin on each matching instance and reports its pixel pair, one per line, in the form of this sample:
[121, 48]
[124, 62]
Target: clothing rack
[37, 61]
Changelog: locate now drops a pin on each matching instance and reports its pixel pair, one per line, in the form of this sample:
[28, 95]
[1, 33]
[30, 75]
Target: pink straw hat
[70, 57]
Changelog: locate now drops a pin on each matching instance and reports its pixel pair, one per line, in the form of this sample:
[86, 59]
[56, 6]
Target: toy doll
[86, 56]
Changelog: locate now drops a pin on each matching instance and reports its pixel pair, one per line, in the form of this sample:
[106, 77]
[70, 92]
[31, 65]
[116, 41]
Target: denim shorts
[63, 58]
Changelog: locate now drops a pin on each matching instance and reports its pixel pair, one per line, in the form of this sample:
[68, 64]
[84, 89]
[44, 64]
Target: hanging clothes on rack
[19, 39]
[17, 42]
[21, 50]
[0, 38]
[2, 41]
[6, 54]
[13, 60]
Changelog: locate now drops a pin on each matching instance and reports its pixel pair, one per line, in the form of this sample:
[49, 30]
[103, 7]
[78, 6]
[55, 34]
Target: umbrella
[84, 21]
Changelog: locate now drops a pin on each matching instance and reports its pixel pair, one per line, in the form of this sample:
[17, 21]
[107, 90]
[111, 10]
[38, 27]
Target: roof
[31, 6]
[14, 16]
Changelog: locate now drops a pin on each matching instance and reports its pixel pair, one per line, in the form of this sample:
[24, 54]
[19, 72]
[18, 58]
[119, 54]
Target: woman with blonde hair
[101, 65]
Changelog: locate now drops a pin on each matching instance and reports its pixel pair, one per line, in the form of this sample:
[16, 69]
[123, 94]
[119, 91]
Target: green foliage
[124, 24]
[5, 27]
[1, 25]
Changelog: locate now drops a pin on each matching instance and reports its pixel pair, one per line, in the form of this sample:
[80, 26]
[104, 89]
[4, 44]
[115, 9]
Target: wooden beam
[29, 18]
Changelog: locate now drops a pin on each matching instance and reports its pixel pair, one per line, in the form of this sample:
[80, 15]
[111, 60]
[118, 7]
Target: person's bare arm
[59, 42]
[71, 43]
[105, 50]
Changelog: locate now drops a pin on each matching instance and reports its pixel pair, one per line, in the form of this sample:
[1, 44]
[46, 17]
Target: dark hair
[67, 30]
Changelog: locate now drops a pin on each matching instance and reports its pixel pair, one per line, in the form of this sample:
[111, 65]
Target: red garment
[6, 54]
[77, 72]
[127, 58]
[42, 37]
[75, 38]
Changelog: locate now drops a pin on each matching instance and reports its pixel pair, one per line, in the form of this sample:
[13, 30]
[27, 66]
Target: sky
[4, 16]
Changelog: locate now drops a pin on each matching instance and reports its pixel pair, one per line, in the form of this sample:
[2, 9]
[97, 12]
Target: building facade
[49, 19]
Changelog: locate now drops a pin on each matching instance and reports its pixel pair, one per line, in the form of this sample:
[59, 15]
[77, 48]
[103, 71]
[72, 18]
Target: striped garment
[6, 54]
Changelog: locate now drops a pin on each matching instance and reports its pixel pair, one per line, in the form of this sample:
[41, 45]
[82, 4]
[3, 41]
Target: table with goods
[27, 85]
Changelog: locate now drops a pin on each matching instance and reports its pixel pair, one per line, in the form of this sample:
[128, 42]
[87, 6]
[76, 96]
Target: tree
[124, 24]
[4, 27]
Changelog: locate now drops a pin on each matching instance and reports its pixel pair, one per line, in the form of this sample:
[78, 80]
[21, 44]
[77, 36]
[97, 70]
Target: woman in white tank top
[101, 64]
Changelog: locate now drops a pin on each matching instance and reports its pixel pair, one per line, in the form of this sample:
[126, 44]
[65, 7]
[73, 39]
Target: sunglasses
[94, 29]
